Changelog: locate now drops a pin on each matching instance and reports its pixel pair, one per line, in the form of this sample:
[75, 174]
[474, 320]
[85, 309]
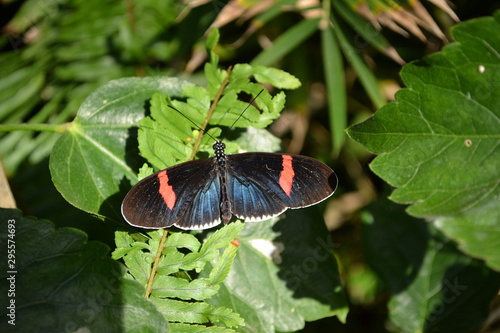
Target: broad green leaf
[88, 162]
[438, 144]
[183, 240]
[472, 237]
[167, 117]
[433, 285]
[285, 274]
[64, 282]
[197, 105]
[145, 171]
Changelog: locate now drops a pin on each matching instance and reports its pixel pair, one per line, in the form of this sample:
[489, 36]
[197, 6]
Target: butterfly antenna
[195, 124]
[250, 103]
[205, 132]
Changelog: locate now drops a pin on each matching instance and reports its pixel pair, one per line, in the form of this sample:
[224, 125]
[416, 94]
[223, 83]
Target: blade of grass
[366, 30]
[289, 40]
[335, 86]
[367, 78]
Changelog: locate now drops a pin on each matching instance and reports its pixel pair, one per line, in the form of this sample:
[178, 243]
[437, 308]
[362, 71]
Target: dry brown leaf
[232, 11]
[6, 197]
[445, 8]
[406, 21]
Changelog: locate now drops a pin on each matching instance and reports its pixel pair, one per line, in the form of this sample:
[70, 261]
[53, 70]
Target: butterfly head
[219, 148]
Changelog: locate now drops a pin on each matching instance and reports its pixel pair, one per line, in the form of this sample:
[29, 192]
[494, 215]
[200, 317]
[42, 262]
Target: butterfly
[203, 193]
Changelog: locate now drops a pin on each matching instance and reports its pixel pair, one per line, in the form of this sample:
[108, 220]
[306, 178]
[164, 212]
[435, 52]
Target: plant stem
[59, 128]
[156, 262]
[210, 112]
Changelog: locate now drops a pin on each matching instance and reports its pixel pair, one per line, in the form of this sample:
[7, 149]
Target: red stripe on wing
[287, 174]
[166, 191]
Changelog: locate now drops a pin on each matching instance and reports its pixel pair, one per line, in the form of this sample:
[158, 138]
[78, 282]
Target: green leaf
[198, 313]
[64, 282]
[472, 237]
[284, 274]
[172, 281]
[276, 77]
[88, 162]
[168, 118]
[164, 148]
[256, 139]
[365, 74]
[173, 287]
[138, 256]
[187, 328]
[222, 264]
[212, 39]
[219, 239]
[434, 285]
[367, 31]
[183, 240]
[438, 143]
[272, 12]
[211, 42]
[286, 42]
[74, 52]
[197, 105]
[19, 88]
[20, 93]
[334, 77]
[166, 137]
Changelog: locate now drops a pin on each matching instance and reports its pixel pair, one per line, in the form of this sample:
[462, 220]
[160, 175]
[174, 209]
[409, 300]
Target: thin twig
[149, 285]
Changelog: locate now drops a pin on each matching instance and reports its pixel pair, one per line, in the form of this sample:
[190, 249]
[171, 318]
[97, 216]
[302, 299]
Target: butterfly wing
[263, 185]
[203, 212]
[154, 202]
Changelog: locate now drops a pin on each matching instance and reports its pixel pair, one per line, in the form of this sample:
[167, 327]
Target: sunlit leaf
[438, 144]
[88, 162]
